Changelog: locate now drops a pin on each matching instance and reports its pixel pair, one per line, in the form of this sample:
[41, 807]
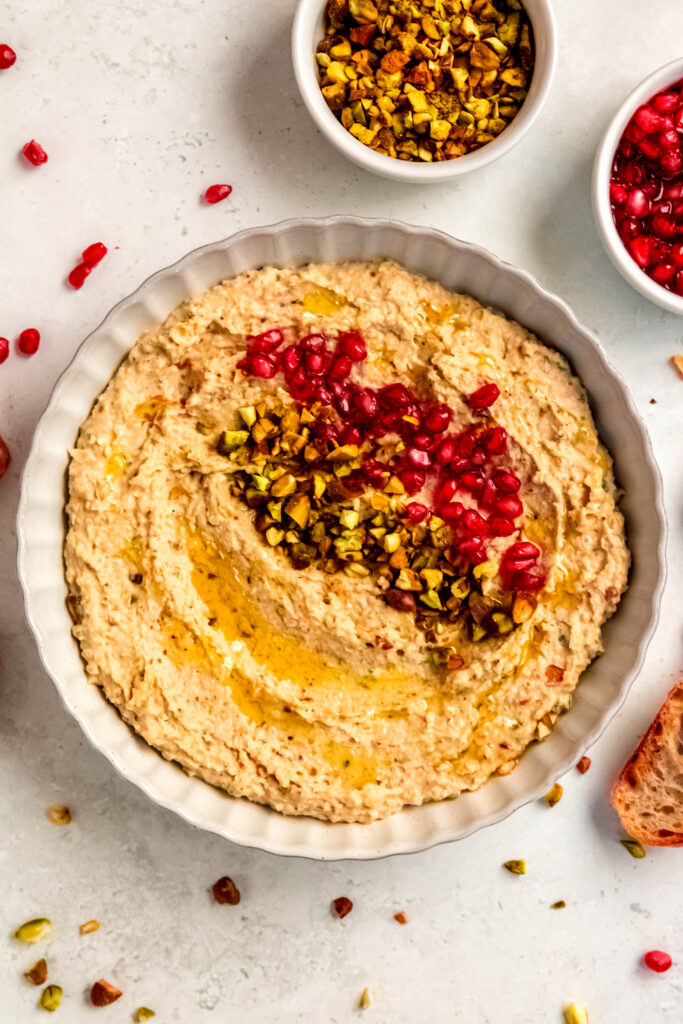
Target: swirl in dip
[340, 541]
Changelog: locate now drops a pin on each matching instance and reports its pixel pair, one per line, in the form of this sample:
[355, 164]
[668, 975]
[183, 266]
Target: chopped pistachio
[432, 577]
[515, 867]
[391, 542]
[431, 600]
[143, 1014]
[554, 795]
[365, 1000]
[248, 415]
[504, 623]
[230, 440]
[576, 1013]
[37, 974]
[635, 848]
[349, 518]
[284, 486]
[60, 814]
[275, 536]
[50, 998]
[298, 508]
[558, 905]
[486, 570]
[33, 931]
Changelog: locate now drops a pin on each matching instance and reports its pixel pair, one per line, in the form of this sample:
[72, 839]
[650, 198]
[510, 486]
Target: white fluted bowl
[458, 266]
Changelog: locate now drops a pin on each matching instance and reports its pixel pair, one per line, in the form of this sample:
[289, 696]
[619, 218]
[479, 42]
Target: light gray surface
[140, 106]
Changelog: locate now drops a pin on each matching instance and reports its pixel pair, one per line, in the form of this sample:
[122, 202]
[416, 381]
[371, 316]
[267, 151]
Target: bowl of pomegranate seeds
[638, 188]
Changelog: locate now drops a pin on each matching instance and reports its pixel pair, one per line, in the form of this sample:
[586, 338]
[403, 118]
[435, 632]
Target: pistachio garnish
[558, 905]
[59, 814]
[365, 1000]
[88, 926]
[37, 974]
[225, 891]
[576, 1013]
[142, 1014]
[554, 795]
[230, 440]
[50, 998]
[33, 931]
[635, 848]
[515, 867]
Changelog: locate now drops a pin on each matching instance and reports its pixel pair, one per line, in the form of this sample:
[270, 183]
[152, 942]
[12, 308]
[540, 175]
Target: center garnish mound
[341, 541]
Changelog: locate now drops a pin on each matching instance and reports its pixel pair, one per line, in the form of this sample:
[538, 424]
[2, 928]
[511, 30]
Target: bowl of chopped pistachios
[423, 90]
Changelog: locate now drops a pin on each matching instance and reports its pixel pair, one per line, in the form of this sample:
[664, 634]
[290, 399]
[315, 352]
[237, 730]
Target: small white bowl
[458, 266]
[602, 170]
[308, 30]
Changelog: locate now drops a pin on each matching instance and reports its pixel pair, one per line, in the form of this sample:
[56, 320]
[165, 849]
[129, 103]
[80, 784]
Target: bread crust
[648, 795]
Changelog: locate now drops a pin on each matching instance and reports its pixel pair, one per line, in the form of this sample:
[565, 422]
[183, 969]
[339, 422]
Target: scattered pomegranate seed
[34, 153]
[657, 961]
[216, 193]
[342, 906]
[262, 366]
[394, 396]
[351, 344]
[4, 349]
[510, 506]
[413, 480]
[5, 458]
[401, 917]
[416, 512]
[483, 397]
[445, 451]
[501, 527]
[583, 765]
[28, 342]
[7, 56]
[78, 275]
[437, 419]
[94, 253]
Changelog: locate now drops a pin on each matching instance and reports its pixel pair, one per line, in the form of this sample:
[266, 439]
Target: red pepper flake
[4, 349]
[34, 153]
[342, 906]
[7, 56]
[657, 961]
[583, 765]
[103, 993]
[225, 891]
[401, 917]
[216, 193]
[28, 342]
[5, 458]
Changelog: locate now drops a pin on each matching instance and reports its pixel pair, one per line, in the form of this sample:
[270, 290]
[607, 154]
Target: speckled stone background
[141, 104]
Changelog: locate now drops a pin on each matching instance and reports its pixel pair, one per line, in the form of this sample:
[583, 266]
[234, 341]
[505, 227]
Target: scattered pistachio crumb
[365, 1000]
[635, 848]
[50, 998]
[34, 930]
[37, 974]
[59, 814]
[558, 905]
[401, 917]
[576, 1013]
[142, 1014]
[88, 926]
[515, 867]
[554, 795]
[677, 363]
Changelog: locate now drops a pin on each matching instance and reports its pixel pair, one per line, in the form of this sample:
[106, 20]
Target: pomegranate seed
[475, 523]
[638, 204]
[661, 206]
[341, 368]
[478, 457]
[506, 481]
[632, 173]
[500, 526]
[365, 403]
[664, 225]
[526, 580]
[678, 119]
[216, 193]
[323, 395]
[5, 458]
[495, 440]
[418, 458]
[633, 133]
[466, 442]
[394, 396]
[666, 102]
[651, 186]
[4, 349]
[677, 255]
[647, 119]
[437, 419]
[7, 56]
[451, 512]
[663, 272]
[351, 344]
[628, 229]
[659, 250]
[94, 254]
[342, 402]
[28, 342]
[640, 249]
[315, 362]
[298, 378]
[649, 148]
[671, 164]
[413, 480]
[374, 470]
[423, 440]
[416, 512]
[489, 496]
[34, 153]
[445, 450]
[302, 392]
[472, 549]
[618, 193]
[262, 366]
[313, 343]
[483, 397]
[447, 491]
[657, 961]
[673, 190]
[678, 283]
[350, 435]
[511, 506]
[78, 275]
[473, 482]
[290, 358]
[265, 343]
[627, 149]
[459, 465]
[668, 139]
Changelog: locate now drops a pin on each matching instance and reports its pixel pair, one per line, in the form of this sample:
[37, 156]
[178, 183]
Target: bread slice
[648, 794]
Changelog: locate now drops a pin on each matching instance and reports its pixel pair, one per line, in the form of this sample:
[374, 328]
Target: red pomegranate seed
[618, 193]
[28, 342]
[647, 119]
[638, 204]
[489, 496]
[375, 470]
[473, 482]
[640, 249]
[510, 506]
[78, 275]
[413, 480]
[34, 153]
[365, 403]
[459, 464]
[445, 450]
[416, 512]
[666, 102]
[663, 272]
[342, 402]
[394, 396]
[94, 254]
[341, 368]
[216, 193]
[5, 458]
[668, 139]
[495, 440]
[523, 549]
[437, 419]
[673, 190]
[315, 362]
[291, 357]
[526, 580]
[659, 250]
[633, 133]
[313, 343]
[473, 549]
[628, 229]
[351, 344]
[7, 56]
[657, 961]
[649, 148]
[262, 366]
[265, 343]
[478, 457]
[422, 440]
[671, 163]
[500, 526]
[627, 149]
[323, 395]
[677, 255]
[678, 283]
[451, 512]
[446, 491]
[506, 481]
[418, 458]
[4, 349]
[475, 523]
[466, 442]
[483, 397]
[661, 206]
[350, 435]
[664, 225]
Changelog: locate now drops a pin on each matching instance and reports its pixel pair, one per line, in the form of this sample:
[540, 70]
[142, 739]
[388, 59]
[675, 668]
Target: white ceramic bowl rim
[459, 266]
[667, 75]
[307, 30]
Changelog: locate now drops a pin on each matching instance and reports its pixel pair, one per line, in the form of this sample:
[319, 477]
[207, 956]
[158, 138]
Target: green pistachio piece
[298, 508]
[391, 542]
[515, 867]
[460, 588]
[231, 440]
[274, 536]
[635, 848]
[33, 931]
[432, 600]
[432, 577]
[349, 518]
[50, 998]
[248, 415]
[284, 486]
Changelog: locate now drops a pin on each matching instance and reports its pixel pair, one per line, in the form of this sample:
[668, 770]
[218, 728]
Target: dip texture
[296, 687]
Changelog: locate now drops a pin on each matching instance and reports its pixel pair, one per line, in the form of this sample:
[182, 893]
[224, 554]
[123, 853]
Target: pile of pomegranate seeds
[646, 188]
[439, 464]
[7, 56]
[216, 193]
[28, 342]
[90, 258]
[34, 153]
[657, 961]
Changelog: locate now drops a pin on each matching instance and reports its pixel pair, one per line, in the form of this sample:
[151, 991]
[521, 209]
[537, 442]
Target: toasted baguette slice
[648, 794]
